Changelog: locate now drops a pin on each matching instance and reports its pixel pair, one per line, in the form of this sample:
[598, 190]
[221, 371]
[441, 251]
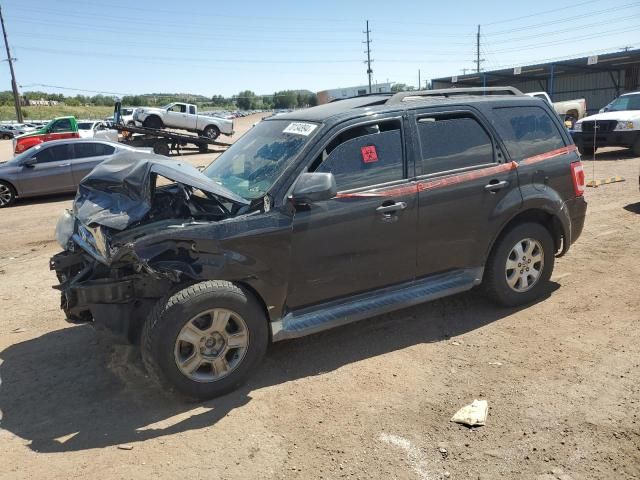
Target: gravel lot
[370, 400]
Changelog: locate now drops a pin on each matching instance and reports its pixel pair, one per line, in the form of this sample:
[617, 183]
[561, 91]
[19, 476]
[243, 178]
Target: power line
[555, 42]
[573, 28]
[537, 14]
[562, 20]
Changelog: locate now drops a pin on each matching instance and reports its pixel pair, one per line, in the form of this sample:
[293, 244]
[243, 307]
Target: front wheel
[152, 122]
[205, 340]
[520, 265]
[7, 195]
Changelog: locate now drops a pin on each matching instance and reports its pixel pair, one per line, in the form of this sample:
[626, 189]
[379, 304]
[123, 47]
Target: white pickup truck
[575, 109]
[182, 116]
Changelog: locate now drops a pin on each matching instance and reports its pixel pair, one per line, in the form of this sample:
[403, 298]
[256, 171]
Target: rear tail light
[577, 175]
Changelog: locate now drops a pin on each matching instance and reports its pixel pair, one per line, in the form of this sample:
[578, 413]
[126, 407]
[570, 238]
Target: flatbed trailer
[163, 141]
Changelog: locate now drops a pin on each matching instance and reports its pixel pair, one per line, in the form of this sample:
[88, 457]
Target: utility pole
[368, 61]
[14, 85]
[419, 80]
[478, 50]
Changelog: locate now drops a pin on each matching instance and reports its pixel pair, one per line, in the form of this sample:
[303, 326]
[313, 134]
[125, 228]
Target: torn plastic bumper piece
[119, 305]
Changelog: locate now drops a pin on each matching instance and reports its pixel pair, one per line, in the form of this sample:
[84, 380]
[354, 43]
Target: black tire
[170, 315]
[7, 136]
[7, 194]
[636, 147]
[152, 122]
[495, 281]
[161, 147]
[589, 151]
[203, 148]
[211, 132]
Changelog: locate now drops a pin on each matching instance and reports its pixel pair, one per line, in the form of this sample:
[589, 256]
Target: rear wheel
[152, 122]
[520, 265]
[636, 147]
[161, 147]
[205, 340]
[7, 136]
[211, 132]
[7, 195]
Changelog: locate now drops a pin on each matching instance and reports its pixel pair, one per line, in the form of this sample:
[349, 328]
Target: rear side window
[450, 143]
[364, 155]
[84, 150]
[527, 131]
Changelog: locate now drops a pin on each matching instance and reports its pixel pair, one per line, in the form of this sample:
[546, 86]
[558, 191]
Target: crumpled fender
[250, 249]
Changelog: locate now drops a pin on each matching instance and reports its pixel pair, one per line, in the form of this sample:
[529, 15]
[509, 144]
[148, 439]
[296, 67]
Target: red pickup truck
[57, 129]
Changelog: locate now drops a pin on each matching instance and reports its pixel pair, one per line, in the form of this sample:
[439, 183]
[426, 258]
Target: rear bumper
[609, 139]
[89, 293]
[577, 210]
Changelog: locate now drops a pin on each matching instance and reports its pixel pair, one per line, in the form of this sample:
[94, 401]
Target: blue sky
[208, 47]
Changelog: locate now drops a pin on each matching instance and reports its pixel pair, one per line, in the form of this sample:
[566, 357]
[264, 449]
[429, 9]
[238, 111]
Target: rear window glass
[453, 143]
[527, 131]
[83, 150]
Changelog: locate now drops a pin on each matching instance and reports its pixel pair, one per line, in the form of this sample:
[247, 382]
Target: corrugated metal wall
[596, 87]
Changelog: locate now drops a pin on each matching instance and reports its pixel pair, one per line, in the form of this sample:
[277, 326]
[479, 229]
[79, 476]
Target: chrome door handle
[495, 186]
[394, 207]
[65, 165]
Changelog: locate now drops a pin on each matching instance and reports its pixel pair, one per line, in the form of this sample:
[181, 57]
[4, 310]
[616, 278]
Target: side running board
[340, 312]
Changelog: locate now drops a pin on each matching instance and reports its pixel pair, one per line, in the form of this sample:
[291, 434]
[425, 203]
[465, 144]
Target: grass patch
[47, 113]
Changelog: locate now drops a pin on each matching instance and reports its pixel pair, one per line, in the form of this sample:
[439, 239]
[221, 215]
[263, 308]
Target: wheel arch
[12, 185]
[544, 217]
[153, 115]
[256, 295]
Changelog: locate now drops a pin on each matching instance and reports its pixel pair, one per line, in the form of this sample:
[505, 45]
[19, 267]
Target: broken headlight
[64, 228]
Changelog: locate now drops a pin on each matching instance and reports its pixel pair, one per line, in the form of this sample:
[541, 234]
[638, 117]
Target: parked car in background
[52, 167]
[569, 110]
[618, 126]
[318, 218]
[57, 129]
[96, 129]
[9, 131]
[183, 116]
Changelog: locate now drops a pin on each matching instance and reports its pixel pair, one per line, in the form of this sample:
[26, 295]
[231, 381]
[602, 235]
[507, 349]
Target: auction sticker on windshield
[300, 128]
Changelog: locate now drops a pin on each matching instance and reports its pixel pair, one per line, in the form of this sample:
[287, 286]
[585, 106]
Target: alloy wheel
[211, 345]
[524, 265]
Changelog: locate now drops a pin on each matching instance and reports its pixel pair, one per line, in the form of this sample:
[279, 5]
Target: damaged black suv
[317, 218]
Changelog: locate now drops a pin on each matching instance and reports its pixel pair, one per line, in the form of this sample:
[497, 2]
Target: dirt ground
[370, 400]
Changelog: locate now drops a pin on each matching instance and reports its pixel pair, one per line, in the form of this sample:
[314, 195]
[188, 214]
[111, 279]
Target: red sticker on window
[369, 154]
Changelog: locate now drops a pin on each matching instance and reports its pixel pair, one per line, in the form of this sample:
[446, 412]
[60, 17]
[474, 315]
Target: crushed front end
[128, 241]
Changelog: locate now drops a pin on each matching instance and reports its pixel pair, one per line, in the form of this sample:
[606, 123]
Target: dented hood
[119, 191]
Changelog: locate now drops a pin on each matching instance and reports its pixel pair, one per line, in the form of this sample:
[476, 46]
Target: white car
[617, 126]
[182, 116]
[96, 129]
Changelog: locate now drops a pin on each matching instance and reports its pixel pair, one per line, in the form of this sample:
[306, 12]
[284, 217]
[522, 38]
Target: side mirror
[314, 187]
[30, 162]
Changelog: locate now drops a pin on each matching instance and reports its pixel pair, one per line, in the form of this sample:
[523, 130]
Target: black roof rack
[451, 92]
[373, 94]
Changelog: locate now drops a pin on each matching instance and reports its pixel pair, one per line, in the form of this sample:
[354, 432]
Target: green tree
[246, 100]
[285, 99]
[402, 87]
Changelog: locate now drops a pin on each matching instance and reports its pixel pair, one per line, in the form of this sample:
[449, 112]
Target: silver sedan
[52, 167]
